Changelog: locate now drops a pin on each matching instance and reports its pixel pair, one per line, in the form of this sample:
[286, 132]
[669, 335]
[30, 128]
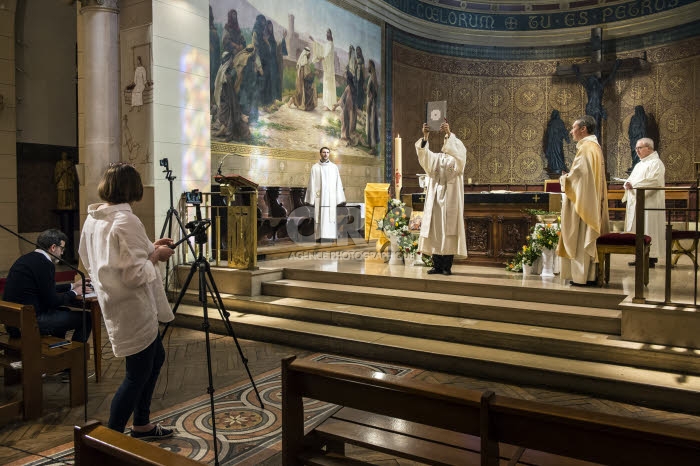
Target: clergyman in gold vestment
[584, 210]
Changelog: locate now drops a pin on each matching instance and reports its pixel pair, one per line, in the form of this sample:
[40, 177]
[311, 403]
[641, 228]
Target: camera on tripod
[164, 163]
[198, 226]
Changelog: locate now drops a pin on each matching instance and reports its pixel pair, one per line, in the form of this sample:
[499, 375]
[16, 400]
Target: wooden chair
[619, 243]
[98, 445]
[678, 250]
[25, 359]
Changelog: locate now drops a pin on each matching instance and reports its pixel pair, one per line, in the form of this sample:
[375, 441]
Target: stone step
[561, 343]
[476, 284]
[588, 319]
[658, 389]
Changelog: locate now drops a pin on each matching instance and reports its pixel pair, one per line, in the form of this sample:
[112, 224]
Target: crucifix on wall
[590, 75]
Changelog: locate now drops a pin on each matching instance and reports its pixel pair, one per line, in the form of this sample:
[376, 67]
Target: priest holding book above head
[584, 210]
[442, 231]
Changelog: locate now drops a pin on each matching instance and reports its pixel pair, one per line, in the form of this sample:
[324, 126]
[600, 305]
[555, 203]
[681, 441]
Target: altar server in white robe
[648, 173]
[325, 192]
[442, 230]
[584, 210]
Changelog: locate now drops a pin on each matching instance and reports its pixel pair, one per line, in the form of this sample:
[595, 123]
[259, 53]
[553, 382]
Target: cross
[422, 198]
[536, 198]
[590, 75]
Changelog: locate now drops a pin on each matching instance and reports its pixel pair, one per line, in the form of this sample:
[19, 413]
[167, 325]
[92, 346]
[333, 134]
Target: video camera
[198, 226]
[193, 197]
[164, 162]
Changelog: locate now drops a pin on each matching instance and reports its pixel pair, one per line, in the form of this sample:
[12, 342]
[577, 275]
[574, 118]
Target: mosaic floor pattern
[246, 434]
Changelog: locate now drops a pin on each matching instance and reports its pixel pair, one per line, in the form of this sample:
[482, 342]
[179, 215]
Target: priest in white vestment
[326, 53]
[442, 232]
[325, 192]
[649, 172]
[584, 210]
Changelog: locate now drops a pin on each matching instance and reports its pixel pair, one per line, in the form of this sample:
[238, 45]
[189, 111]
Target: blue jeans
[135, 393]
[57, 322]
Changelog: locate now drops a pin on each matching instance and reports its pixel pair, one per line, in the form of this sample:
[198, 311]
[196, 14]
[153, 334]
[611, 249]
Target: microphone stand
[82, 276]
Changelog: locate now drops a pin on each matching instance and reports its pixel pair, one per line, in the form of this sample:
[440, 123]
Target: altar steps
[471, 325]
[662, 389]
[462, 284]
[588, 319]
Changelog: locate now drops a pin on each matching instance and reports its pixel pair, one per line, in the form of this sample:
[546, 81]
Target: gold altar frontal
[242, 221]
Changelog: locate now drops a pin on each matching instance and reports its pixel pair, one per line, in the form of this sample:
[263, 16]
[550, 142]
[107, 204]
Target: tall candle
[398, 182]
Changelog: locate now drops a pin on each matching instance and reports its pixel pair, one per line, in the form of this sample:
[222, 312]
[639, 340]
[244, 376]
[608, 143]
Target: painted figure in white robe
[139, 85]
[649, 172]
[325, 193]
[442, 232]
[584, 210]
[326, 54]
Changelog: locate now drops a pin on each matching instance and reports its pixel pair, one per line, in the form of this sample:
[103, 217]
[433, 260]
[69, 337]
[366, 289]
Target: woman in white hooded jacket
[122, 264]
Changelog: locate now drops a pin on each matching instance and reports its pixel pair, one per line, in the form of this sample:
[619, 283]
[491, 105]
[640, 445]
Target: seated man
[31, 280]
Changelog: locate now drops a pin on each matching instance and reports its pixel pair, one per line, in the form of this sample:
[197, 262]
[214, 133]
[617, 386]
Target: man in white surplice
[648, 173]
[325, 192]
[326, 53]
[442, 232]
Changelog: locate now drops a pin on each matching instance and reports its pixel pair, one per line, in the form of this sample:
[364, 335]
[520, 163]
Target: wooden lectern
[242, 232]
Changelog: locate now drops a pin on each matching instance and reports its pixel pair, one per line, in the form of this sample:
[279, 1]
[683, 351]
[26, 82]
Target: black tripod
[168, 223]
[207, 284]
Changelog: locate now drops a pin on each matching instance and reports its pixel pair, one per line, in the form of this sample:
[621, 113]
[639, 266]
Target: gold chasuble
[584, 211]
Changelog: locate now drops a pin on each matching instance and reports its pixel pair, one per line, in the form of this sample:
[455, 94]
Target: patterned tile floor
[184, 378]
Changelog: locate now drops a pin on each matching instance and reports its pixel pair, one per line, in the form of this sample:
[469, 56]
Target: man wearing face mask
[325, 192]
[442, 232]
[32, 281]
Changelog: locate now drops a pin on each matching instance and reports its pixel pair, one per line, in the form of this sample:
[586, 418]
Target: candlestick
[398, 182]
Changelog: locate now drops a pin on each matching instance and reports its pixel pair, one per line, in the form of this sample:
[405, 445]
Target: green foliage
[332, 128]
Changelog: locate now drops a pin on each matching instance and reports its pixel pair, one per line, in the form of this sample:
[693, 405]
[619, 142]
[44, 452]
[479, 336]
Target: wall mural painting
[294, 75]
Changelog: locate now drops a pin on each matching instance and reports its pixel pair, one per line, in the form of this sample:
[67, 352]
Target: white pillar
[98, 107]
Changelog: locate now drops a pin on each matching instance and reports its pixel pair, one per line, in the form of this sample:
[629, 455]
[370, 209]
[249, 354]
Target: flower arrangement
[530, 254]
[546, 236]
[408, 244]
[396, 219]
[542, 236]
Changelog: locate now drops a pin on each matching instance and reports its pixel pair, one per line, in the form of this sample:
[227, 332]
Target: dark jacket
[32, 280]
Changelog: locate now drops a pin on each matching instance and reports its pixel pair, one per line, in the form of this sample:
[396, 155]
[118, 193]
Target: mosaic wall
[500, 109]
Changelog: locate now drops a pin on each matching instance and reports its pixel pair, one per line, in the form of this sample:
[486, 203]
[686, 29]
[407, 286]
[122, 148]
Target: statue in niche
[65, 177]
[554, 145]
[594, 89]
[637, 130]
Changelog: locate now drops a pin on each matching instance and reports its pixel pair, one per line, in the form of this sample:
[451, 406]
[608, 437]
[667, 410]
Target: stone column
[98, 94]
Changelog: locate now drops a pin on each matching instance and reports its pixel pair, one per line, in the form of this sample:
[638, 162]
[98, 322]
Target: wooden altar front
[496, 224]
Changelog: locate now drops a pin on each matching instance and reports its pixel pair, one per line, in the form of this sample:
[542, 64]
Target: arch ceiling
[528, 24]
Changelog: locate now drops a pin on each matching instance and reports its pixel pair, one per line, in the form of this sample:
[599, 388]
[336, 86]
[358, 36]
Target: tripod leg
[229, 328]
[203, 266]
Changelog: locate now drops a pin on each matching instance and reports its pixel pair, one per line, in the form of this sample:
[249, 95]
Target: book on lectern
[436, 114]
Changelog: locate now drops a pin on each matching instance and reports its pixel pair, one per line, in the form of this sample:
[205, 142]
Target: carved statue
[65, 178]
[637, 130]
[594, 89]
[554, 149]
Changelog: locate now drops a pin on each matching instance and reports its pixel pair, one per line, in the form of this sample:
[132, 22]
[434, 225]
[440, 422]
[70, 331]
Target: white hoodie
[114, 248]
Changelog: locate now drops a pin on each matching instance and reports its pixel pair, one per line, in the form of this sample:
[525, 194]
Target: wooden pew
[36, 358]
[99, 445]
[444, 425]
